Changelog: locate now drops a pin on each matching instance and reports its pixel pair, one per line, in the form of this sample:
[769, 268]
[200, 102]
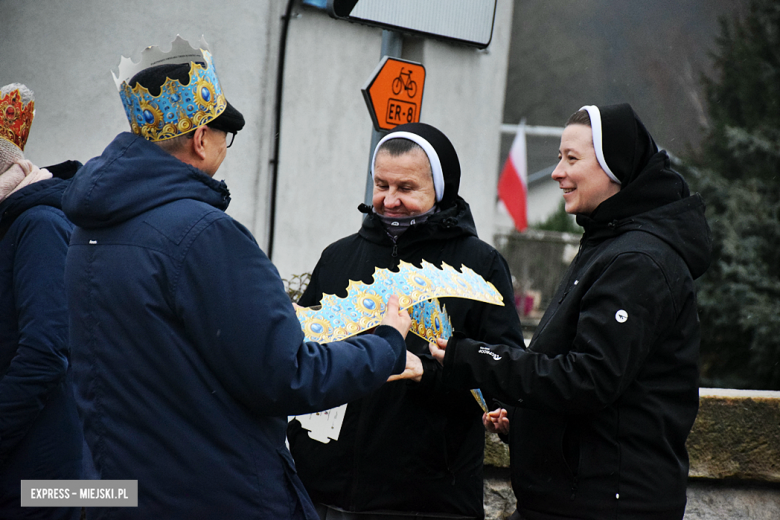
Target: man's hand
[437, 349]
[399, 320]
[496, 421]
[413, 370]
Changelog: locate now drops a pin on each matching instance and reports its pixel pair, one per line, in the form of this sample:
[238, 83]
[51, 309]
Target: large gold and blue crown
[178, 109]
[418, 290]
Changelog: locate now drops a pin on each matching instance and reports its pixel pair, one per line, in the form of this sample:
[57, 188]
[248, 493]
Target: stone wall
[734, 450]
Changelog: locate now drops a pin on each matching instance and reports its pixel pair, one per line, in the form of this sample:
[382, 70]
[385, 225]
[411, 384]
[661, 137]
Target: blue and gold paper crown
[178, 109]
[338, 318]
[418, 290]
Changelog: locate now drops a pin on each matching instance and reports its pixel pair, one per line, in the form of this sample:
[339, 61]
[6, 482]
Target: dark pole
[277, 127]
[392, 44]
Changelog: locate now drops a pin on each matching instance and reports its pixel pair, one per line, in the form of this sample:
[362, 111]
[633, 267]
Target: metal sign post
[392, 44]
[467, 22]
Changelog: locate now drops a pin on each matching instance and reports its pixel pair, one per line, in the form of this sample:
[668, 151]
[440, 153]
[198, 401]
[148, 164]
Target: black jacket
[409, 446]
[607, 391]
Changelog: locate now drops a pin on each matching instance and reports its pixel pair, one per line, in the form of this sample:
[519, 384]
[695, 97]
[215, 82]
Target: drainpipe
[277, 127]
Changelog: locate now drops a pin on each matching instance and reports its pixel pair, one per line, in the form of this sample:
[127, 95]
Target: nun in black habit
[412, 448]
[605, 395]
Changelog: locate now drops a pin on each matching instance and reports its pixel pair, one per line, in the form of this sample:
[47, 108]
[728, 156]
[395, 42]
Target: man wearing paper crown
[188, 356]
[40, 434]
[409, 448]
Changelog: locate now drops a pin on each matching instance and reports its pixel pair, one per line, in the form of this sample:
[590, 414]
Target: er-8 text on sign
[400, 112]
[394, 93]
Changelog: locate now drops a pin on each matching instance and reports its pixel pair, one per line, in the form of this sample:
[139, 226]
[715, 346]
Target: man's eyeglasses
[229, 138]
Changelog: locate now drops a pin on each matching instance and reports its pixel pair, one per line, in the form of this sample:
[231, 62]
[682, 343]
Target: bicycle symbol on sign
[408, 84]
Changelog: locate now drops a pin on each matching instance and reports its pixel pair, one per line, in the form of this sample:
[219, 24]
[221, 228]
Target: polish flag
[513, 183]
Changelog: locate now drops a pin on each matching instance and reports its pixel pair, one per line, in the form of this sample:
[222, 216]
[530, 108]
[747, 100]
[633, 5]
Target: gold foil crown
[178, 109]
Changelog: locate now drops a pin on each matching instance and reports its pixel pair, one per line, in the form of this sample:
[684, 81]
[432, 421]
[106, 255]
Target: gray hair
[400, 146]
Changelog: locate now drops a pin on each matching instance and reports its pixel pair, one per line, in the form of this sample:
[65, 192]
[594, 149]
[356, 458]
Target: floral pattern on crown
[15, 118]
[418, 289]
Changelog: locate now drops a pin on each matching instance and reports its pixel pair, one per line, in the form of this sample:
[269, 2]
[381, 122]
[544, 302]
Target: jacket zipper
[396, 261]
[613, 225]
[573, 271]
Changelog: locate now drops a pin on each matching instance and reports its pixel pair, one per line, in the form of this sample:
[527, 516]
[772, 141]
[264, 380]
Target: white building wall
[326, 129]
[65, 51]
[325, 136]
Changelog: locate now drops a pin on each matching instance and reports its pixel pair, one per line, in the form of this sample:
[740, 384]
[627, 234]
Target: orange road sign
[394, 93]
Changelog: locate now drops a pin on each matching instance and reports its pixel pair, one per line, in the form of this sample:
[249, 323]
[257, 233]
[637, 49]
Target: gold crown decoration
[430, 321]
[418, 289]
[16, 117]
[178, 109]
[363, 307]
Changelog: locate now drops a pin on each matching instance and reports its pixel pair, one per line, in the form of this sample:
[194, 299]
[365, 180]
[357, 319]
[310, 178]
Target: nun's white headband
[433, 158]
[595, 125]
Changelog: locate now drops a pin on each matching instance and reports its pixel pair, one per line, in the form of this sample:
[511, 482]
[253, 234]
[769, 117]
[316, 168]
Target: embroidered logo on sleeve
[621, 316]
[486, 350]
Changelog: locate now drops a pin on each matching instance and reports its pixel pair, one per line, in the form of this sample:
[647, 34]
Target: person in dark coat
[40, 434]
[188, 356]
[607, 391]
[410, 448]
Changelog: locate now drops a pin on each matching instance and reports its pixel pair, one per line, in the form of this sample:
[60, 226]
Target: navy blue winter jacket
[40, 436]
[187, 354]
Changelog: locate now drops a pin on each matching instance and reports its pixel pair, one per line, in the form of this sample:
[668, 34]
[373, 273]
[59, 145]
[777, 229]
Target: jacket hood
[132, 176]
[455, 221]
[64, 170]
[42, 193]
[657, 202]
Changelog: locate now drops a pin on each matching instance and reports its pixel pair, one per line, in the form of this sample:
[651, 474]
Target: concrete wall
[326, 129]
[65, 51]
